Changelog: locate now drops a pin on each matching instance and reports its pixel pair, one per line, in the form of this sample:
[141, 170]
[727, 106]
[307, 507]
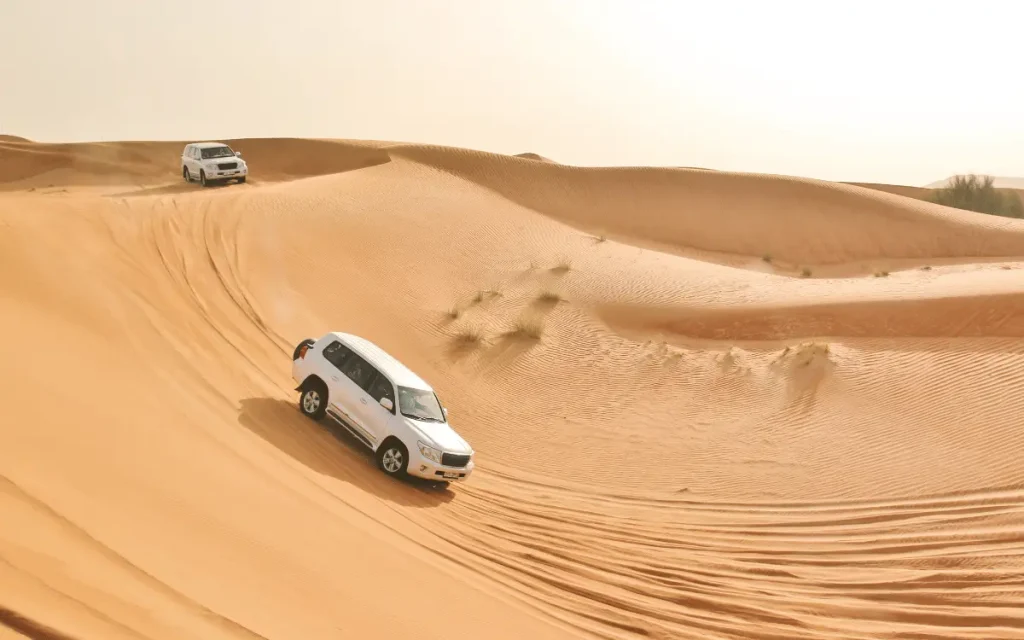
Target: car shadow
[327, 448]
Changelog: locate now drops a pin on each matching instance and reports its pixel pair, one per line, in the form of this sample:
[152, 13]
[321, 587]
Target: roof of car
[398, 373]
[207, 145]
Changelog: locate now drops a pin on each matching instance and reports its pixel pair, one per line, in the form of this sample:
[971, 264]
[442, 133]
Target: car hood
[223, 159]
[438, 434]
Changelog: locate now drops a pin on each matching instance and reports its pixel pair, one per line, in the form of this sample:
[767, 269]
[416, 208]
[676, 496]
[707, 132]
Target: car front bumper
[226, 174]
[430, 470]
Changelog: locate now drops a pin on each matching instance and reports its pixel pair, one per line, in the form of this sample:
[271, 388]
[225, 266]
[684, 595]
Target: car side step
[355, 432]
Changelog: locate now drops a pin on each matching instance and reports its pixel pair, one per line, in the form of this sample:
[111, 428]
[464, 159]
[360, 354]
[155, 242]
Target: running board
[351, 429]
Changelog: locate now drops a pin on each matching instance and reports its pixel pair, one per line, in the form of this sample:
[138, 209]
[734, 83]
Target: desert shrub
[977, 193]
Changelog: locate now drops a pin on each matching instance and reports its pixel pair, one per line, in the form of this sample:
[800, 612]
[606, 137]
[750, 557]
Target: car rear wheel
[184, 174]
[392, 458]
[313, 401]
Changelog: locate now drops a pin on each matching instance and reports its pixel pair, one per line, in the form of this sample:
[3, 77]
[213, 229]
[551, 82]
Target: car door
[358, 375]
[339, 387]
[375, 415]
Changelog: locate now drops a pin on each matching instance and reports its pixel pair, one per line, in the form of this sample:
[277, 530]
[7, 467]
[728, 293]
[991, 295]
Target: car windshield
[217, 152]
[419, 404]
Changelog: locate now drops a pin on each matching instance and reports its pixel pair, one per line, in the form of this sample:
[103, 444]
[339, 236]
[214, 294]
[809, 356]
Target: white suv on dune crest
[210, 162]
[356, 383]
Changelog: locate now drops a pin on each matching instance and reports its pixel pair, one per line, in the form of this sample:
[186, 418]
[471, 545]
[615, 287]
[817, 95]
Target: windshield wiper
[419, 417]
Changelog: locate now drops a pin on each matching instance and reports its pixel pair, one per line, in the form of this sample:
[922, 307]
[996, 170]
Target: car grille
[454, 459]
[227, 165]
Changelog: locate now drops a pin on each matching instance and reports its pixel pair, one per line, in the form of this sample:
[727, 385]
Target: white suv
[356, 383]
[211, 162]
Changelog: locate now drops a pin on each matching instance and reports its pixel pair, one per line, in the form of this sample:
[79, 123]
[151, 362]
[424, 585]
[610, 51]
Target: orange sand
[701, 444]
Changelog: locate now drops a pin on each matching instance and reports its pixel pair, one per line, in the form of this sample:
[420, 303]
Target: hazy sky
[896, 91]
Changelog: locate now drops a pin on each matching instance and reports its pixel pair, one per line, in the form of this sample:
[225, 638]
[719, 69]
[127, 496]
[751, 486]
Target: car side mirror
[238, 154]
[387, 404]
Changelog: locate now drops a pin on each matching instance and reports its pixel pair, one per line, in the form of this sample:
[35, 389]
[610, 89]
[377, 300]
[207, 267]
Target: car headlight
[430, 453]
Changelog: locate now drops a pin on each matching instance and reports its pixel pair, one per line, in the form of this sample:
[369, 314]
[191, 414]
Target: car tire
[393, 458]
[241, 180]
[185, 174]
[308, 342]
[313, 401]
[202, 178]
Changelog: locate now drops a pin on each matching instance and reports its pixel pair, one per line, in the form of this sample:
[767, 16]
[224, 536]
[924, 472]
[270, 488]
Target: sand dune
[26, 164]
[533, 156]
[920, 193]
[700, 444]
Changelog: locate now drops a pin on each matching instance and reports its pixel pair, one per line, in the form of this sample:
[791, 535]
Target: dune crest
[799, 221]
[671, 443]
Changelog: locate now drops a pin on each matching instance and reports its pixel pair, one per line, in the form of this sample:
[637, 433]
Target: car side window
[337, 353]
[358, 370]
[382, 388]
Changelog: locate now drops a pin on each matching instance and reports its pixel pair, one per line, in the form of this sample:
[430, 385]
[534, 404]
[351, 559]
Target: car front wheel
[392, 458]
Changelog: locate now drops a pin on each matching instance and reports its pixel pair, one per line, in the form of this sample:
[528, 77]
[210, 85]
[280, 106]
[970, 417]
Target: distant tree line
[977, 193]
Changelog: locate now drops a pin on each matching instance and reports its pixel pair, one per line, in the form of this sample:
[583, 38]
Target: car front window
[217, 152]
[419, 404]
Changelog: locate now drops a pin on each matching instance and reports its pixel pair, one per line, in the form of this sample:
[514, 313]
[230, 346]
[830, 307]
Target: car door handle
[335, 378]
[363, 400]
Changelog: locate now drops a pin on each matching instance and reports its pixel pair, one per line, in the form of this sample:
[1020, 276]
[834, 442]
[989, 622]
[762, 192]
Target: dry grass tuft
[563, 266]
[531, 328]
[550, 297]
[469, 336]
[805, 272]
